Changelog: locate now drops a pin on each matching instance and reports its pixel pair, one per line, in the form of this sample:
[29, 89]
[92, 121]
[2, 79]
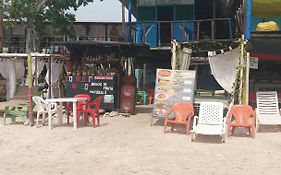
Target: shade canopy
[92, 48]
[267, 8]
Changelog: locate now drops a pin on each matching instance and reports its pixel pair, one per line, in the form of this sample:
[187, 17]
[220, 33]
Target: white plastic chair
[267, 111]
[210, 120]
[42, 108]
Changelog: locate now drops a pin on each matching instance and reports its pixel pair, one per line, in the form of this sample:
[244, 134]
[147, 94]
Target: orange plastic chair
[81, 106]
[183, 112]
[93, 111]
[239, 117]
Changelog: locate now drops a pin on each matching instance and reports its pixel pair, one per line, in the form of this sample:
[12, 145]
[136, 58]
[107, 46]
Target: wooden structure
[29, 57]
[160, 22]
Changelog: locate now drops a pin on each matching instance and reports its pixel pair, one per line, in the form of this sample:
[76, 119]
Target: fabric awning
[267, 8]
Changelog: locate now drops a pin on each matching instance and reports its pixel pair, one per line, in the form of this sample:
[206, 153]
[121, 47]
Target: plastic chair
[142, 97]
[267, 111]
[81, 106]
[19, 110]
[42, 108]
[239, 116]
[93, 110]
[210, 120]
[183, 112]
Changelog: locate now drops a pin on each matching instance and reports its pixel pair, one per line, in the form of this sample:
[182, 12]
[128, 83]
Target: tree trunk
[28, 48]
[28, 42]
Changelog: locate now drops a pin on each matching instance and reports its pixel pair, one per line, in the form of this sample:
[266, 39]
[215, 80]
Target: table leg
[60, 115]
[74, 116]
[49, 116]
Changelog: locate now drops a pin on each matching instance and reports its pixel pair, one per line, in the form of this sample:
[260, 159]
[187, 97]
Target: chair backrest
[96, 103]
[211, 113]
[41, 104]
[241, 114]
[267, 102]
[182, 110]
[82, 104]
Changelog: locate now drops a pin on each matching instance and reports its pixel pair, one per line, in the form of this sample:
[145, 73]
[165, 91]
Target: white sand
[130, 146]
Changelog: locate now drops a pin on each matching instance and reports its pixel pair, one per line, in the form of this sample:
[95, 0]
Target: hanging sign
[254, 63]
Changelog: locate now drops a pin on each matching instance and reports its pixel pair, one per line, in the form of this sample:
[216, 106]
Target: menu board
[172, 86]
[94, 86]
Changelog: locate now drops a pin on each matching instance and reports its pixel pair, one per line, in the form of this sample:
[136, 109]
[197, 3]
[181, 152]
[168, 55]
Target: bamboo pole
[1, 27]
[123, 23]
[174, 55]
[30, 109]
[241, 71]
[247, 79]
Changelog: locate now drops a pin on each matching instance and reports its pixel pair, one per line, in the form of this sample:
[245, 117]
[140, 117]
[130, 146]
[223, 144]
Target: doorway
[165, 14]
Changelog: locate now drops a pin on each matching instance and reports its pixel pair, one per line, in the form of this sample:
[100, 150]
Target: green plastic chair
[20, 110]
[142, 97]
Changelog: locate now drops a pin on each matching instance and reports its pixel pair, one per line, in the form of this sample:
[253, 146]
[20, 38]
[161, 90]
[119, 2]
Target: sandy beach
[122, 146]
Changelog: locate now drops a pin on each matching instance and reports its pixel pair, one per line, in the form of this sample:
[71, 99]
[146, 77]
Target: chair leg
[4, 119]
[93, 119]
[37, 119]
[232, 130]
[228, 131]
[67, 116]
[78, 118]
[165, 126]
[187, 128]
[98, 119]
[253, 131]
[86, 119]
[172, 127]
[43, 116]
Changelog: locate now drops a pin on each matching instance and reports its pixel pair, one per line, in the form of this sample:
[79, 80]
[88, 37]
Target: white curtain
[20, 68]
[223, 67]
[56, 69]
[8, 71]
[40, 66]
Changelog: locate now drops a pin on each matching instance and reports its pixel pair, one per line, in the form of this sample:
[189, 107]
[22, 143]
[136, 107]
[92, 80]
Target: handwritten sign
[94, 86]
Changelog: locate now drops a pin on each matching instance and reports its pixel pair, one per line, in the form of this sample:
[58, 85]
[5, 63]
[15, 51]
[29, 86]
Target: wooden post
[213, 20]
[174, 55]
[1, 27]
[144, 75]
[241, 71]
[36, 68]
[123, 23]
[247, 78]
[50, 78]
[198, 31]
[30, 80]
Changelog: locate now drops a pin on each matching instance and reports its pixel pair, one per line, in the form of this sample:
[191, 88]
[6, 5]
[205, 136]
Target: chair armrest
[195, 118]
[21, 107]
[256, 117]
[225, 119]
[89, 106]
[54, 107]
